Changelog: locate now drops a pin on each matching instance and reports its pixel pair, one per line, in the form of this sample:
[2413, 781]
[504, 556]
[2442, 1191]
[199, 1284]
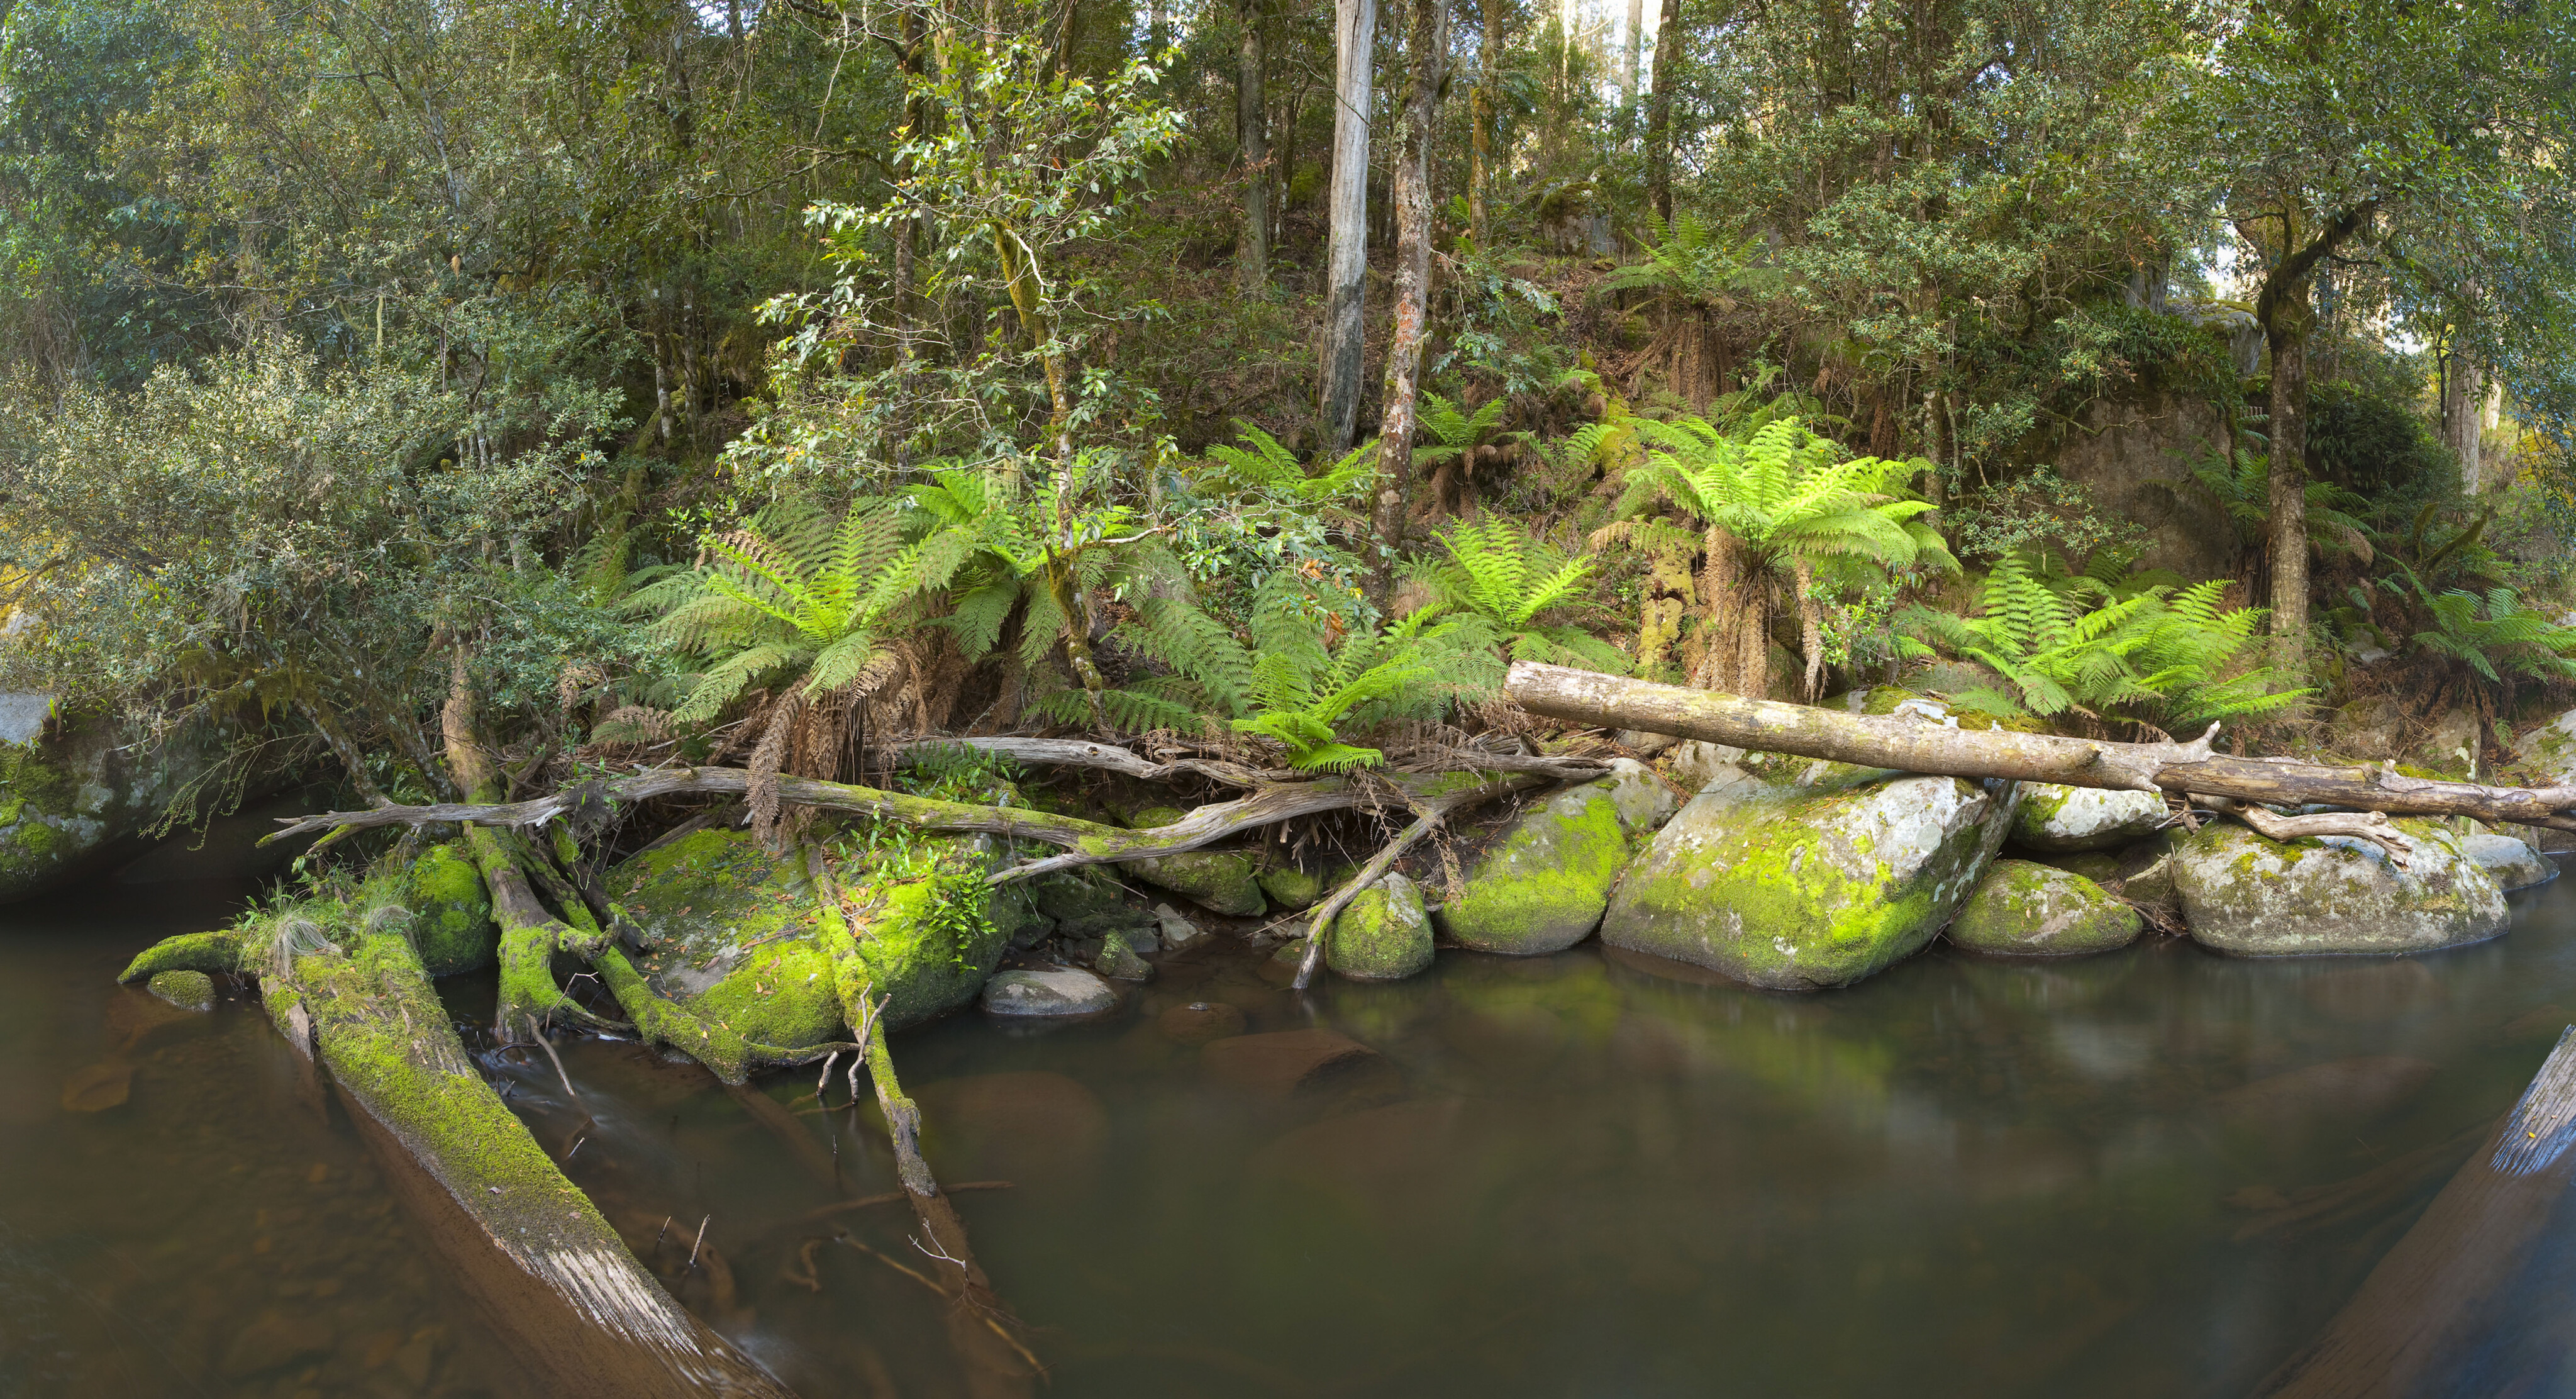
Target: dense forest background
[745, 379]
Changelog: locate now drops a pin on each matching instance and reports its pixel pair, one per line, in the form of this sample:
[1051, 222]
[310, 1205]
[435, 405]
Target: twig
[701, 1239]
[540, 1036]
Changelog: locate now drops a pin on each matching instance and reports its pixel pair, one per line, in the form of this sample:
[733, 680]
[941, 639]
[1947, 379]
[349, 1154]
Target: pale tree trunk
[1480, 118]
[1659, 111]
[2288, 525]
[1252, 137]
[1346, 261]
[1429, 41]
[2463, 412]
[1628, 68]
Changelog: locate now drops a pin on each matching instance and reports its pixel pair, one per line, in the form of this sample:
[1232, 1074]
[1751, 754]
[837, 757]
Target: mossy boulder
[1291, 888]
[2021, 909]
[1644, 800]
[186, 990]
[1799, 876]
[2513, 863]
[2058, 819]
[451, 911]
[78, 802]
[1383, 935]
[1545, 887]
[1223, 881]
[2253, 896]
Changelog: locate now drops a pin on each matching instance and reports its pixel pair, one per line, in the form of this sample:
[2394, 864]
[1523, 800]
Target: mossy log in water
[342, 975]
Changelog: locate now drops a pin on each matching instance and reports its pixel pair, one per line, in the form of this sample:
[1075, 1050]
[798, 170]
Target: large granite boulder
[1545, 887]
[1799, 876]
[2059, 819]
[2246, 894]
[2021, 909]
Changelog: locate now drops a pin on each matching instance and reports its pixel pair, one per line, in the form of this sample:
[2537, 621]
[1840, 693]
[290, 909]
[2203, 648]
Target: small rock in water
[1200, 1022]
[1054, 991]
[1383, 935]
[1291, 889]
[1296, 1062]
[186, 990]
[274, 1341]
[2514, 864]
[1177, 932]
[2022, 909]
[2059, 818]
[97, 1087]
[1118, 961]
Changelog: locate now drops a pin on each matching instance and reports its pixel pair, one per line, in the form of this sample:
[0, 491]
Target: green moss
[186, 990]
[1382, 935]
[218, 951]
[453, 912]
[36, 838]
[2032, 910]
[32, 781]
[1291, 888]
[1546, 886]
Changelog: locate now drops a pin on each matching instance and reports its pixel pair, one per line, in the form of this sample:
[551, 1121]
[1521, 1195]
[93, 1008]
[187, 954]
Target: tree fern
[1496, 572]
[1454, 433]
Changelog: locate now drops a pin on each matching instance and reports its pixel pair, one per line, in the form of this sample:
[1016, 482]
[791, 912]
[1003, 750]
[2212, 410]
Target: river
[1580, 1175]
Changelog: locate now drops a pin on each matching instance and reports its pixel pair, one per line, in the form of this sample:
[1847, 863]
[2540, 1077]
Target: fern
[1262, 466]
[2494, 632]
[1455, 433]
[2117, 647]
[1496, 572]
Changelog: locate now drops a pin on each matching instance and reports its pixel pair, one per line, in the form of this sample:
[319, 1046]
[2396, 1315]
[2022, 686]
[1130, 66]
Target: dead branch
[2373, 826]
[1914, 742]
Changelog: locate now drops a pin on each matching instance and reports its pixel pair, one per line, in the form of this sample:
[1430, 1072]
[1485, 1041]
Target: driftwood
[1084, 842]
[1916, 742]
[2373, 826]
[2426, 1304]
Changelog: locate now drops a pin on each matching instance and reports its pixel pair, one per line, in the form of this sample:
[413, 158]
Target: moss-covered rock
[1383, 935]
[1545, 887]
[2058, 819]
[2514, 863]
[451, 912]
[2021, 909]
[78, 802]
[1289, 888]
[2246, 894]
[1226, 881]
[1799, 876]
[186, 990]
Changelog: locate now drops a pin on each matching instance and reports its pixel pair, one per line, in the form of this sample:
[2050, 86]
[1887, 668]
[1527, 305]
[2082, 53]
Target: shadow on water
[2152, 1173]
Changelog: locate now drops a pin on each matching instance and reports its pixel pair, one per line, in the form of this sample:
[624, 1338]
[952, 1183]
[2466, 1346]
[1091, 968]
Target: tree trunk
[1429, 42]
[1635, 51]
[1659, 110]
[2463, 408]
[2287, 331]
[1252, 138]
[2429, 1310]
[1908, 743]
[1480, 119]
[1337, 417]
[1734, 635]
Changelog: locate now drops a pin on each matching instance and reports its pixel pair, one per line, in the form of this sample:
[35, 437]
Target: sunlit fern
[1497, 572]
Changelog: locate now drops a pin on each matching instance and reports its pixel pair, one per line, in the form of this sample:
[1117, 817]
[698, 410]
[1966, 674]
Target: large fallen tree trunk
[2430, 1308]
[1915, 742]
[1084, 842]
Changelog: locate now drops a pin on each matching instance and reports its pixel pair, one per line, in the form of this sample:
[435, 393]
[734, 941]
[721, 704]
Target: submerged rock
[2513, 863]
[2021, 909]
[2342, 1092]
[1545, 887]
[2059, 819]
[1383, 935]
[1053, 991]
[1798, 876]
[186, 990]
[1289, 1063]
[2245, 894]
[1200, 1022]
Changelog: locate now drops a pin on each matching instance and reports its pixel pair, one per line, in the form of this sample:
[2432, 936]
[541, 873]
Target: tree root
[211, 953]
[732, 1057]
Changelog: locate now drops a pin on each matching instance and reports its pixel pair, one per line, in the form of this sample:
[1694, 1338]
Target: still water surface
[1574, 1176]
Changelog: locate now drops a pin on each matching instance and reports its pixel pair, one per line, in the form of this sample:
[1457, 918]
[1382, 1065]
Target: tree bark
[1346, 260]
[2463, 409]
[2425, 1311]
[1659, 110]
[1252, 138]
[1635, 51]
[1920, 743]
[1429, 42]
[2287, 332]
[1480, 118]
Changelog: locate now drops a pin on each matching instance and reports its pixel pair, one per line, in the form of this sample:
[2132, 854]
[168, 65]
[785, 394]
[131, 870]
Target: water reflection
[2150, 1173]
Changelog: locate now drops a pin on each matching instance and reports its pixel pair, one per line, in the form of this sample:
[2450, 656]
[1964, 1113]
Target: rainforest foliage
[756, 382]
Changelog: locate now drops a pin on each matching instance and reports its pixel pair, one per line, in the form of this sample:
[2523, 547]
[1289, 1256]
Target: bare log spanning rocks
[1915, 742]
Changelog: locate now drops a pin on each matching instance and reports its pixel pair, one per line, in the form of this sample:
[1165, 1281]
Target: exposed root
[1430, 811]
[214, 953]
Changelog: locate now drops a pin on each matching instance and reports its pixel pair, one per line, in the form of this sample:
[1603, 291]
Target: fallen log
[1084, 842]
[1916, 742]
[2430, 1302]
